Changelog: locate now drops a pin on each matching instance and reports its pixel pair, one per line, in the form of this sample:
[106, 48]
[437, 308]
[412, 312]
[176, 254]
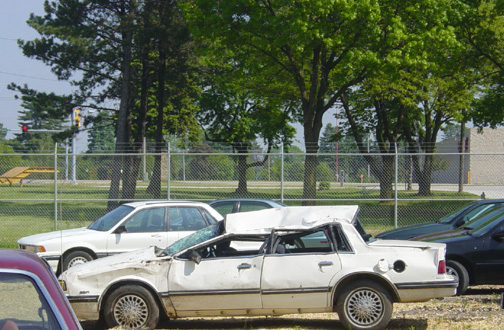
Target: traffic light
[24, 130]
[77, 117]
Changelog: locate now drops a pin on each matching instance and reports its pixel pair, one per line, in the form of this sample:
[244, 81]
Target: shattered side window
[365, 236]
[342, 244]
[197, 237]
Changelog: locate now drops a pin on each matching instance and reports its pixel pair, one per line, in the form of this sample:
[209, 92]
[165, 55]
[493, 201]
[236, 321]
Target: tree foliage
[316, 52]
[231, 114]
[136, 53]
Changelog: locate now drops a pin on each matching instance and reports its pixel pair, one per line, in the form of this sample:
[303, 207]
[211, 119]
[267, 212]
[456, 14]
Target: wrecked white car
[269, 262]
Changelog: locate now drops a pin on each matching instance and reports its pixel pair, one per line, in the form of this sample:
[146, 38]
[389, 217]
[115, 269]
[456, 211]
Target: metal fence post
[144, 160]
[396, 174]
[282, 172]
[55, 186]
[168, 170]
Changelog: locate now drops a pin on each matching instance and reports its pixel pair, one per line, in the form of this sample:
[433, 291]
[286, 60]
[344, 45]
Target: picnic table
[17, 174]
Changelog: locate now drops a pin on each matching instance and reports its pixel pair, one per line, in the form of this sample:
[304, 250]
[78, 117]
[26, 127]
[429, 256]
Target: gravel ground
[479, 308]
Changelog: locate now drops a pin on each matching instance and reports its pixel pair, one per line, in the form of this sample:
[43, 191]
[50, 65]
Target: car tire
[75, 258]
[460, 273]
[131, 307]
[364, 304]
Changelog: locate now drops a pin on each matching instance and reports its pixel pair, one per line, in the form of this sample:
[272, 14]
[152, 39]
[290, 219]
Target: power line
[31, 77]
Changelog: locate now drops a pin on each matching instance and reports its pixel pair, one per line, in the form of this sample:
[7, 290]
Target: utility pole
[76, 121]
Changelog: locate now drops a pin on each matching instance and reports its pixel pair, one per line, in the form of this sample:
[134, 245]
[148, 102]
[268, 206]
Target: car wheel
[460, 273]
[76, 258]
[131, 307]
[364, 304]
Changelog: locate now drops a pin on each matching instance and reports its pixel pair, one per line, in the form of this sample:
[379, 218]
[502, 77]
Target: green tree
[482, 31]
[95, 39]
[174, 71]
[313, 51]
[43, 111]
[134, 52]
[230, 115]
[101, 136]
[414, 91]
[6, 162]
[306, 51]
[451, 131]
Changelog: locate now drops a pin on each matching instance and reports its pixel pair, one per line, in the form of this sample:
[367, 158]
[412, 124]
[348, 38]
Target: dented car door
[217, 279]
[298, 269]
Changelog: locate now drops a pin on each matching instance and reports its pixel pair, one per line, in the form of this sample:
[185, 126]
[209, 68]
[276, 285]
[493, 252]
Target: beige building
[483, 164]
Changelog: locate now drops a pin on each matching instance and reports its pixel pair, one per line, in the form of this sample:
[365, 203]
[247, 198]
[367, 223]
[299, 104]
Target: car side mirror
[460, 223]
[499, 236]
[121, 229]
[194, 256]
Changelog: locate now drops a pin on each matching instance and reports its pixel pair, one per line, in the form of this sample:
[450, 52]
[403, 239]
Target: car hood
[67, 233]
[408, 232]
[135, 260]
[448, 235]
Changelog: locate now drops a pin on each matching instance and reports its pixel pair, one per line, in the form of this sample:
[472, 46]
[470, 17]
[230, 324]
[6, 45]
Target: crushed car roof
[290, 217]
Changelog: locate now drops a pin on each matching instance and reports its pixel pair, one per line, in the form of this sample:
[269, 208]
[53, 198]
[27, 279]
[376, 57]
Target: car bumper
[423, 291]
[86, 308]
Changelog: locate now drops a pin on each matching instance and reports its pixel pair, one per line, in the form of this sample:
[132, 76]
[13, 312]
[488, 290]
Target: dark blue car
[450, 222]
[235, 205]
[475, 252]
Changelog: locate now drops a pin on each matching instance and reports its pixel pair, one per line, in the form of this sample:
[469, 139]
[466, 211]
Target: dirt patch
[479, 308]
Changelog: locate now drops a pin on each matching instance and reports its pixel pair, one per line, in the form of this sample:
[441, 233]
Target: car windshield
[110, 219]
[449, 218]
[197, 237]
[483, 224]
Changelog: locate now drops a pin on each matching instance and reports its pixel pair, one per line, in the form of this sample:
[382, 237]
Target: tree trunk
[122, 135]
[132, 163]
[130, 174]
[155, 183]
[310, 168]
[154, 187]
[386, 177]
[409, 172]
[425, 176]
[242, 173]
[310, 180]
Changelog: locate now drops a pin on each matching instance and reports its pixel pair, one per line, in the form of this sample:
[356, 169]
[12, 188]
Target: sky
[19, 69]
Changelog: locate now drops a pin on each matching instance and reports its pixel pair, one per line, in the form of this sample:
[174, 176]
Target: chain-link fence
[57, 190]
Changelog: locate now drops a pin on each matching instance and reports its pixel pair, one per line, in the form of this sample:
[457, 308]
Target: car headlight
[33, 248]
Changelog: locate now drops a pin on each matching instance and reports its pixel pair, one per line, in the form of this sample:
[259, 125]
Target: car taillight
[441, 267]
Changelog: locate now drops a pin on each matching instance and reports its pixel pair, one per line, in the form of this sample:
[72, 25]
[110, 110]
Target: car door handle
[156, 235]
[244, 266]
[325, 263]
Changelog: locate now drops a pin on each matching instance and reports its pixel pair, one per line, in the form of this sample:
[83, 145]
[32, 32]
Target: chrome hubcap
[131, 312]
[77, 261]
[453, 272]
[364, 307]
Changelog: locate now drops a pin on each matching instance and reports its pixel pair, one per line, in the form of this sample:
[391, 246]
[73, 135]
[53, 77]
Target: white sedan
[269, 262]
[129, 227]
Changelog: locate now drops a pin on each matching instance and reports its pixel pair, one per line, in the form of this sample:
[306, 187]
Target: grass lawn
[30, 209]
